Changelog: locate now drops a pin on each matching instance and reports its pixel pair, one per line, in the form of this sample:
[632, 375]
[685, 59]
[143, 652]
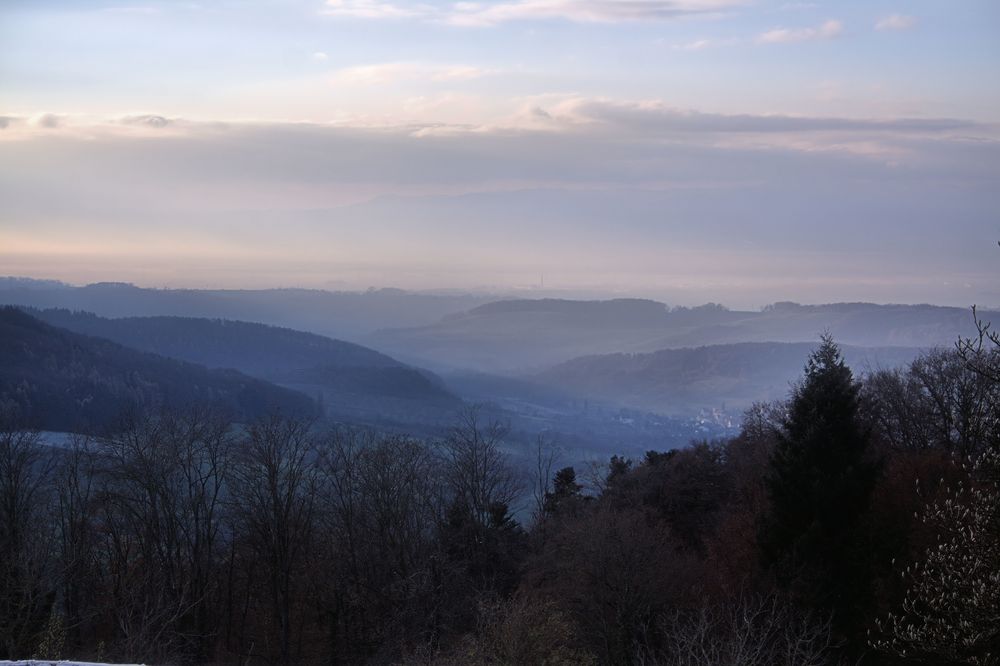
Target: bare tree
[27, 571]
[76, 489]
[271, 506]
[546, 458]
[951, 609]
[748, 630]
[982, 352]
[515, 631]
[162, 479]
[477, 469]
[380, 501]
[939, 402]
[615, 572]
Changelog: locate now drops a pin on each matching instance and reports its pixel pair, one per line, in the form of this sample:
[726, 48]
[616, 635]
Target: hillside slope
[340, 314]
[681, 381]
[527, 336]
[60, 380]
[256, 349]
[350, 380]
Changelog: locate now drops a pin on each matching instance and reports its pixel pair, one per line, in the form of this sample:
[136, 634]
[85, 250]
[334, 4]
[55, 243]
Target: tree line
[858, 521]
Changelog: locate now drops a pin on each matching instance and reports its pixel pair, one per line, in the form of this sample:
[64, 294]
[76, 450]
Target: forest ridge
[854, 521]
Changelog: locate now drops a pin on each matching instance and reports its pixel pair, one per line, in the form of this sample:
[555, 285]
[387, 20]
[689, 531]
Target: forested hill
[616, 312]
[256, 349]
[60, 380]
[529, 335]
[679, 381]
[353, 382]
[339, 314]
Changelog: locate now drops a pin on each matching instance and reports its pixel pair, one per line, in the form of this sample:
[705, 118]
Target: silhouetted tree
[515, 631]
[951, 609]
[27, 574]
[565, 494]
[379, 508]
[746, 630]
[982, 352]
[272, 505]
[477, 470]
[941, 401]
[160, 498]
[81, 575]
[820, 484]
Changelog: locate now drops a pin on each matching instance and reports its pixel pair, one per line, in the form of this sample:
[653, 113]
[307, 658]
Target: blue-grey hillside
[339, 314]
[680, 381]
[55, 379]
[530, 335]
[256, 349]
[350, 381]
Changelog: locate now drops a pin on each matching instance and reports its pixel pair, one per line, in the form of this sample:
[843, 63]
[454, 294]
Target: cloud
[654, 117]
[392, 72]
[697, 45]
[46, 120]
[146, 120]
[547, 113]
[828, 30]
[457, 73]
[552, 140]
[139, 10]
[620, 189]
[896, 22]
[584, 11]
[372, 9]
[493, 13]
[320, 56]
[579, 142]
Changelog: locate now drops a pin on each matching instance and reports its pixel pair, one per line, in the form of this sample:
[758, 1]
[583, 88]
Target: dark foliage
[255, 349]
[58, 380]
[180, 537]
[350, 378]
[820, 484]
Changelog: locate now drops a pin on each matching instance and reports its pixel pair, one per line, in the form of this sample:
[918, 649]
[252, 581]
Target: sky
[736, 151]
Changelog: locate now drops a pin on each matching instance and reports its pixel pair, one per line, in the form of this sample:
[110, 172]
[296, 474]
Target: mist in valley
[500, 333]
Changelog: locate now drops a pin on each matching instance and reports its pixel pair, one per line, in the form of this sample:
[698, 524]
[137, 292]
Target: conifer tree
[820, 483]
[565, 494]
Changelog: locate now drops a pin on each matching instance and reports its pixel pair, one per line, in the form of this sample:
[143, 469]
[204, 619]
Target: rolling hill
[56, 379]
[340, 314]
[527, 336]
[351, 381]
[685, 381]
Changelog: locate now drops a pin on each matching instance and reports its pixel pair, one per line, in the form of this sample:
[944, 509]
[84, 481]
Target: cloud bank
[827, 30]
[391, 72]
[629, 195]
[478, 14]
[896, 22]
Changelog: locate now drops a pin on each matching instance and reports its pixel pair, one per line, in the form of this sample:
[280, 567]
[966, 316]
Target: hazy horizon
[497, 292]
[689, 150]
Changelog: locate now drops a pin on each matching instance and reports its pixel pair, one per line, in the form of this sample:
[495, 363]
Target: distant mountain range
[350, 381]
[547, 365]
[55, 379]
[255, 349]
[685, 381]
[338, 314]
[526, 336]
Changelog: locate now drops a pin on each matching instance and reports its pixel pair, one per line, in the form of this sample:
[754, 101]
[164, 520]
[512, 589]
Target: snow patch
[49, 662]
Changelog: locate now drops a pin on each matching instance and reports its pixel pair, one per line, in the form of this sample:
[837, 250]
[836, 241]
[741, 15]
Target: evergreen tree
[565, 494]
[820, 482]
